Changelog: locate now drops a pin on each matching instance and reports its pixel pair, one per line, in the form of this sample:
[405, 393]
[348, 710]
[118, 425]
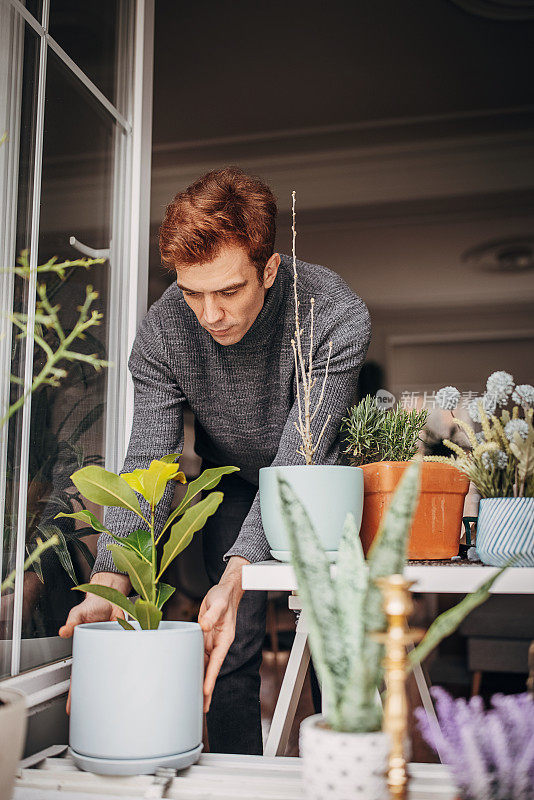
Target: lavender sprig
[490, 753]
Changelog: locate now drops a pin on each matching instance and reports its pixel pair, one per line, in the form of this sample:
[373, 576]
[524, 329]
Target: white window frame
[129, 276]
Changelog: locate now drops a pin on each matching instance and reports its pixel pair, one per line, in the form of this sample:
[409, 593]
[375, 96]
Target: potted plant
[136, 686]
[312, 482]
[490, 754]
[12, 701]
[500, 462]
[345, 752]
[382, 442]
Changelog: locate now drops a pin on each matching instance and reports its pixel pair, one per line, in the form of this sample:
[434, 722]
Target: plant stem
[152, 534]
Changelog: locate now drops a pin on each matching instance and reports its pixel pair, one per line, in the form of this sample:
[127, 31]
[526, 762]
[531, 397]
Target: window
[75, 94]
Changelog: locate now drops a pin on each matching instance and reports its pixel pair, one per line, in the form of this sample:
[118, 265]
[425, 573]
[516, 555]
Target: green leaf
[209, 479]
[148, 615]
[387, 556]
[105, 488]
[183, 531]
[163, 592]
[82, 547]
[447, 622]
[171, 458]
[318, 596]
[61, 549]
[113, 595]
[125, 625]
[87, 517]
[139, 571]
[140, 541]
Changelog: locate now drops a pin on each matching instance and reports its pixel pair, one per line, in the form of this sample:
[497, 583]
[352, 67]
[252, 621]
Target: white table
[441, 578]
[51, 775]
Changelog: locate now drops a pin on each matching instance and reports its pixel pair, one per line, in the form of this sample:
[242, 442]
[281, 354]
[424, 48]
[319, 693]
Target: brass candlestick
[397, 606]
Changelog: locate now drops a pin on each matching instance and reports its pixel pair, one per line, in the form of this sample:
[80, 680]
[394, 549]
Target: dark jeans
[234, 719]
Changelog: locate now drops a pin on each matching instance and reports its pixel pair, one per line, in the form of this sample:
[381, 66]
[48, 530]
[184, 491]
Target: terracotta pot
[436, 529]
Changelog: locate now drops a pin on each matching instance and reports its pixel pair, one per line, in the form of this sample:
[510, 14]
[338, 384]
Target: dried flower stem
[304, 372]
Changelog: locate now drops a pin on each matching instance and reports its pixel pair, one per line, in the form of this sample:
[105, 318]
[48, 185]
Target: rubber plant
[342, 611]
[136, 554]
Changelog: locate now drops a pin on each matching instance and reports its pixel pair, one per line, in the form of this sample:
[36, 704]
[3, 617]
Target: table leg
[290, 691]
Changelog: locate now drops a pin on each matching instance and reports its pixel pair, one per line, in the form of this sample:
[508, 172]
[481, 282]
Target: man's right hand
[96, 609]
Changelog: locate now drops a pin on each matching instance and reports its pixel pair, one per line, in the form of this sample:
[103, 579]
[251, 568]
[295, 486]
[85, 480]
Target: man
[220, 339]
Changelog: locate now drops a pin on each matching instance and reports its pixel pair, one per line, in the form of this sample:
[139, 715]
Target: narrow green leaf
[183, 531]
[387, 556]
[140, 541]
[447, 622]
[163, 592]
[82, 547]
[209, 479]
[139, 571]
[318, 596]
[88, 518]
[105, 488]
[113, 595]
[62, 551]
[125, 625]
[148, 615]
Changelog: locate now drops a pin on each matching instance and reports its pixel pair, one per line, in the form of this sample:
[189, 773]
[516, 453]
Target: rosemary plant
[371, 434]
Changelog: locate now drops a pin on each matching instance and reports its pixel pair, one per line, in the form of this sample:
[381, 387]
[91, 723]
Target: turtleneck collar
[266, 322]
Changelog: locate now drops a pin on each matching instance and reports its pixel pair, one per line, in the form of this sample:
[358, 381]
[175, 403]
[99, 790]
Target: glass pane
[17, 160]
[89, 33]
[67, 420]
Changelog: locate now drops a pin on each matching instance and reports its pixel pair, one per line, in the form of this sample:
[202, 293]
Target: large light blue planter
[136, 697]
[328, 492]
[505, 528]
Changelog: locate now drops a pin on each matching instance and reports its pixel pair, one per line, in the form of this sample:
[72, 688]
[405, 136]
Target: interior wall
[406, 131]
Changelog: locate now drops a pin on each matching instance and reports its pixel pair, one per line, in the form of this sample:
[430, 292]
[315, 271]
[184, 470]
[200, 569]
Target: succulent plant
[342, 611]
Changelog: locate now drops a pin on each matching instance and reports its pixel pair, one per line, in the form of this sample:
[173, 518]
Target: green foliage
[58, 356]
[371, 434]
[344, 610]
[34, 556]
[498, 466]
[136, 553]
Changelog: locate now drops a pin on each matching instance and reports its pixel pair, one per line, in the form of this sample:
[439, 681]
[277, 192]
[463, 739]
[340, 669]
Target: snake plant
[343, 611]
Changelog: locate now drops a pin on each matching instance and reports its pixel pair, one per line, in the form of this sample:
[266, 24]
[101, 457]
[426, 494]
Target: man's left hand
[217, 618]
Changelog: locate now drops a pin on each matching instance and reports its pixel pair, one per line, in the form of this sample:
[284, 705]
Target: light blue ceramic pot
[136, 697]
[505, 528]
[327, 492]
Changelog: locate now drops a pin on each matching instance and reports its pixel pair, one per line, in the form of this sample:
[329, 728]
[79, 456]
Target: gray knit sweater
[243, 395]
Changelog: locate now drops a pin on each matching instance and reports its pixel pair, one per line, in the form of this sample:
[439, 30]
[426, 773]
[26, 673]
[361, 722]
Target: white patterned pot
[505, 528]
[342, 766]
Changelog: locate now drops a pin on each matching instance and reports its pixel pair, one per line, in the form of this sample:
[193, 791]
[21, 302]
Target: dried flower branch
[304, 372]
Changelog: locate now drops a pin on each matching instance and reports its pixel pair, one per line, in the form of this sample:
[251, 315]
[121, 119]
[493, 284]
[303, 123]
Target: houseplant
[12, 702]
[312, 482]
[65, 355]
[490, 753]
[499, 460]
[381, 442]
[345, 752]
[136, 694]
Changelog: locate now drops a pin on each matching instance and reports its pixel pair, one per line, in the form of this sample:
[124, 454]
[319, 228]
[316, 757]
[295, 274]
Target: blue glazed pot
[136, 697]
[505, 528]
[328, 493]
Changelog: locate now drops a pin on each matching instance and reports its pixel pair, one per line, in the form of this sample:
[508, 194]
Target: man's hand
[217, 618]
[96, 609]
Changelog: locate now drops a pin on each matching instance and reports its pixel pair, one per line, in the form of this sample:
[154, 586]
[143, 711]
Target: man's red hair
[225, 206]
